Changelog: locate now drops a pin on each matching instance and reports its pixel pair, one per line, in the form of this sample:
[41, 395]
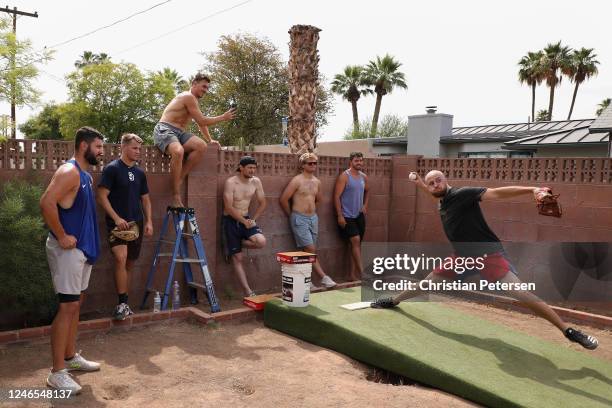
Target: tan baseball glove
[130, 234]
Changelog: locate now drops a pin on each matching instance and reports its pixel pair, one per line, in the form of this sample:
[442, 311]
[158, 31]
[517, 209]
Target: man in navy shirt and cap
[124, 194]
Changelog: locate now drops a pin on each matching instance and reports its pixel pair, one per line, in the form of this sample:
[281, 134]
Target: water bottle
[156, 302]
[176, 296]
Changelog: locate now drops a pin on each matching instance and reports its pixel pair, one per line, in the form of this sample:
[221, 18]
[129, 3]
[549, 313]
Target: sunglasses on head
[311, 163]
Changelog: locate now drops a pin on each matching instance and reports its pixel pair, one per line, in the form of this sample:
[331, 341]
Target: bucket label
[288, 288]
[307, 289]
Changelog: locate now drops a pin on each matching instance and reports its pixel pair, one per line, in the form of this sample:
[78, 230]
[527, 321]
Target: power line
[183, 27]
[109, 25]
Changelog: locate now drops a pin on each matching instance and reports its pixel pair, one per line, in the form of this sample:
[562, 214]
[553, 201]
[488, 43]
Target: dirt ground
[239, 365]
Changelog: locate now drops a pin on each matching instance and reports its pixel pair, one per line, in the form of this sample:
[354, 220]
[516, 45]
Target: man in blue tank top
[351, 203]
[123, 193]
[68, 207]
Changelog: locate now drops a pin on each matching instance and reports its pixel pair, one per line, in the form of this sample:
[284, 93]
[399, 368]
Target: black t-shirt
[464, 223]
[126, 185]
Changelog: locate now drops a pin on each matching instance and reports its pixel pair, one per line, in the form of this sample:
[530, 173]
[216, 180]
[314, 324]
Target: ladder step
[187, 234]
[189, 260]
[167, 241]
[196, 285]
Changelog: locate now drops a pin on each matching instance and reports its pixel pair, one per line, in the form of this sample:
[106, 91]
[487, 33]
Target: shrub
[26, 282]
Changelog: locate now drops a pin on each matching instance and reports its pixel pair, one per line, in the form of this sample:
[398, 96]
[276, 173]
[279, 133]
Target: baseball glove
[547, 202]
[130, 234]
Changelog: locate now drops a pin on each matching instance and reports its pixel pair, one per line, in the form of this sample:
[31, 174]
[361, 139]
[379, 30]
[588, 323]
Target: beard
[90, 157]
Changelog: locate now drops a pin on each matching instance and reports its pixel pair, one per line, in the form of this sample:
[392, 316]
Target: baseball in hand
[412, 176]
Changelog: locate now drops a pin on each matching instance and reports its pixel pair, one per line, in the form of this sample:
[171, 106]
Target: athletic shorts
[496, 266]
[235, 232]
[69, 268]
[164, 134]
[305, 228]
[133, 247]
[353, 227]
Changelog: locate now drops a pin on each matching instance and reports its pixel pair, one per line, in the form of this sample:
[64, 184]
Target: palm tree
[87, 58]
[583, 66]
[556, 58]
[303, 84]
[383, 75]
[530, 73]
[542, 116]
[350, 85]
[603, 106]
[179, 83]
[90, 58]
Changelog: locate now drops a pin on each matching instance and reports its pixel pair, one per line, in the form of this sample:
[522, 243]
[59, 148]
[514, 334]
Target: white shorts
[69, 268]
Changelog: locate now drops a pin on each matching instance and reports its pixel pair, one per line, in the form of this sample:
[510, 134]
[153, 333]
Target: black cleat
[383, 303]
[586, 341]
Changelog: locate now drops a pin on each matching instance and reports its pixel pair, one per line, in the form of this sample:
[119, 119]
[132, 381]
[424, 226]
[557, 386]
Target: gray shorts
[69, 268]
[164, 134]
[305, 228]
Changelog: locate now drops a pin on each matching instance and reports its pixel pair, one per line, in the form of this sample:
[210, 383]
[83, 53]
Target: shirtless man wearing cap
[171, 138]
[239, 228]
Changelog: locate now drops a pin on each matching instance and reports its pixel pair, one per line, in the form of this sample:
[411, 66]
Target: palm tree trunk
[376, 113]
[533, 89]
[551, 101]
[303, 81]
[569, 116]
[355, 118]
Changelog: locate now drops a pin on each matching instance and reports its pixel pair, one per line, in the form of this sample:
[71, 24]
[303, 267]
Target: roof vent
[431, 109]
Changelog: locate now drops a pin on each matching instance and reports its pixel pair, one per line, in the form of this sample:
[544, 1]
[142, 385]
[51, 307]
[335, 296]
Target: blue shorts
[235, 232]
[164, 134]
[305, 228]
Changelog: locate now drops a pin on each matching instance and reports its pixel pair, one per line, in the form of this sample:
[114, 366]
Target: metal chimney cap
[431, 109]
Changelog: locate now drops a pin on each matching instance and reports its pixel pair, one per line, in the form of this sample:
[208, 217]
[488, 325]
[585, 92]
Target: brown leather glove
[547, 202]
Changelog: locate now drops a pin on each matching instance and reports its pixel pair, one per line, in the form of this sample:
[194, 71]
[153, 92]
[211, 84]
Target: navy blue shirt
[80, 219]
[126, 185]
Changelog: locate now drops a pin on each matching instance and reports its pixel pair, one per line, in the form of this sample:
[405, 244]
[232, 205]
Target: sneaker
[122, 311]
[79, 363]
[586, 341]
[313, 287]
[251, 294]
[383, 303]
[62, 380]
[328, 282]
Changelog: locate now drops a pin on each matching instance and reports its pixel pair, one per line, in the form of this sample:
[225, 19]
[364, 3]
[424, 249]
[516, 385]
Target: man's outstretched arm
[507, 192]
[200, 119]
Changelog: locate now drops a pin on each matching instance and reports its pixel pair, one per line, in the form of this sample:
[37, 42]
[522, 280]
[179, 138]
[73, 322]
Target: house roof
[496, 133]
[581, 136]
[503, 133]
[603, 121]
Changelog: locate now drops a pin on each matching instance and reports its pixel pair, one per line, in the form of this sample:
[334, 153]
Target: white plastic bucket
[296, 284]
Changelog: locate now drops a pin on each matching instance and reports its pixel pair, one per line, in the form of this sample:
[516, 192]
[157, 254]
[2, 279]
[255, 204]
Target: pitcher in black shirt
[124, 194]
[470, 236]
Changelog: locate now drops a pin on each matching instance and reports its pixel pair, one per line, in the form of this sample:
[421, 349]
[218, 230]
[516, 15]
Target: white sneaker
[313, 287]
[328, 282]
[62, 380]
[79, 363]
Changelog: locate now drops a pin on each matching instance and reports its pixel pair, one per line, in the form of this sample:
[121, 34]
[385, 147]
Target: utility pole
[15, 12]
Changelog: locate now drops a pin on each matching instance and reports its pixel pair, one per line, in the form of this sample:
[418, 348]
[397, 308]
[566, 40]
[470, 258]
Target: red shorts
[495, 267]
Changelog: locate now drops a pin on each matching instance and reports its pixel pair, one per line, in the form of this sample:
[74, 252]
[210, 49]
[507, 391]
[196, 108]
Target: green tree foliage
[583, 66]
[250, 72]
[542, 115]
[114, 98]
[389, 126]
[603, 105]
[26, 282]
[90, 58]
[18, 67]
[384, 75]
[45, 125]
[351, 86]
[179, 83]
